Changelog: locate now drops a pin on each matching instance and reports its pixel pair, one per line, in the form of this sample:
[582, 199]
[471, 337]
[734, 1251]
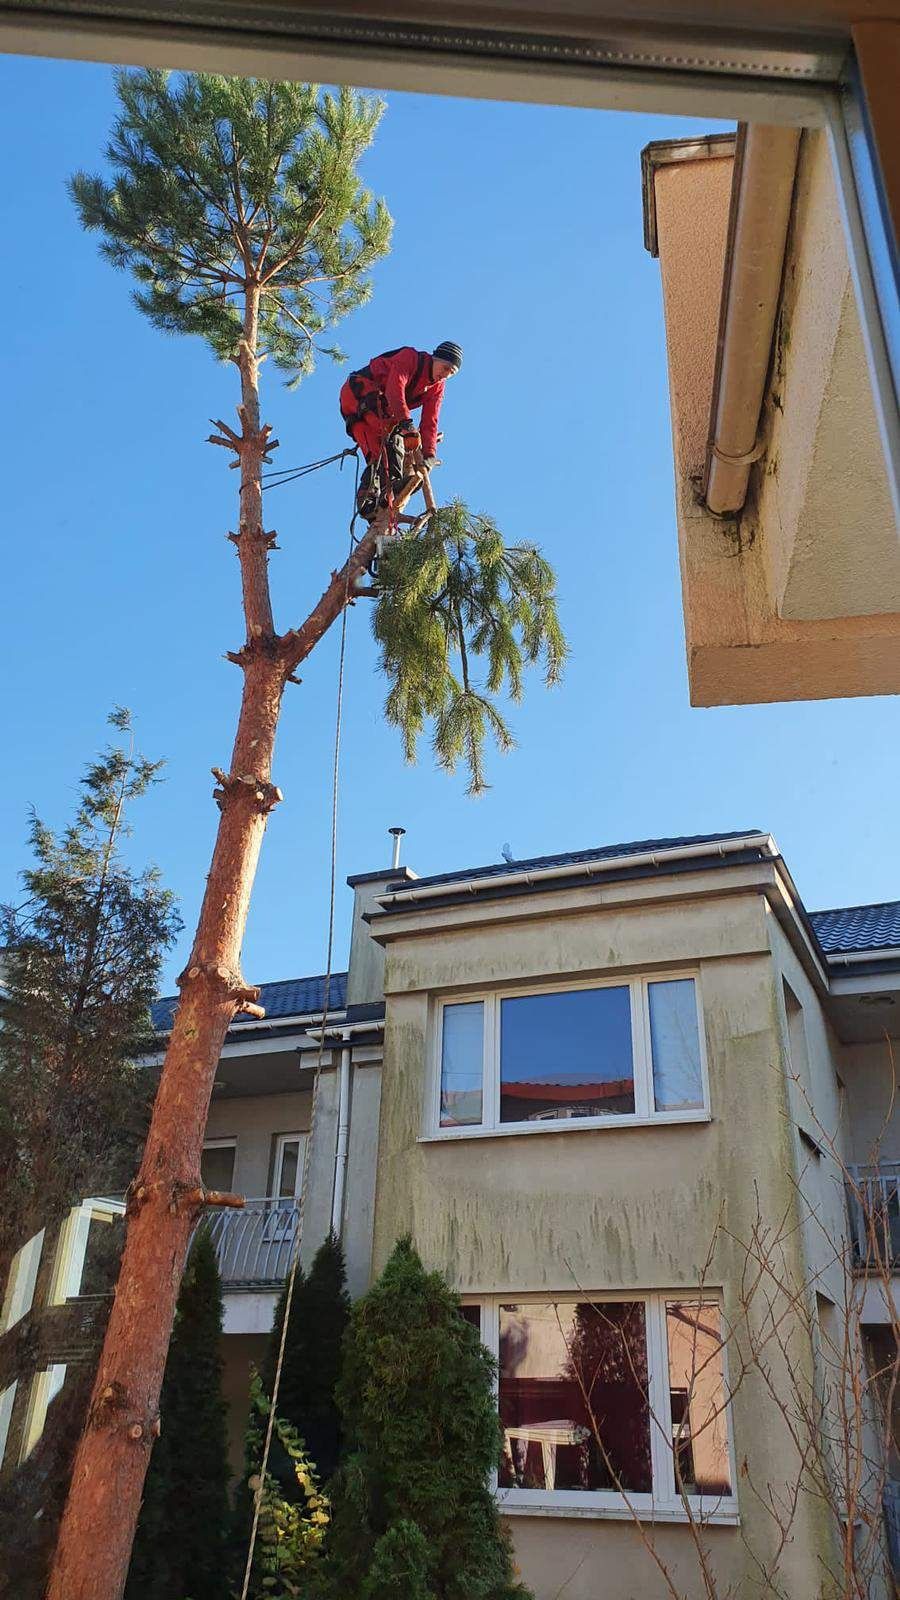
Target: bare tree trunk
[166, 1197]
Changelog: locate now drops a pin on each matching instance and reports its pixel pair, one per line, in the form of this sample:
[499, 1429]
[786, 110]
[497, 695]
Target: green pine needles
[220, 184]
[453, 600]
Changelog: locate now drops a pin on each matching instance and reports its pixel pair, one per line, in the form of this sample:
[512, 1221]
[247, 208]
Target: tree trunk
[166, 1197]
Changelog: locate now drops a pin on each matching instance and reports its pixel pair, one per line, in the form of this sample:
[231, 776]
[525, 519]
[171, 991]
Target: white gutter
[343, 1141]
[582, 869]
[763, 186]
[879, 953]
[344, 1030]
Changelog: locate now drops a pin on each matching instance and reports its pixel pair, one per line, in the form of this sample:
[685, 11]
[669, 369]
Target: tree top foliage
[81, 956]
[454, 600]
[222, 185]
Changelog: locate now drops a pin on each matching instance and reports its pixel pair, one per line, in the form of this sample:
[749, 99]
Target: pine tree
[81, 958]
[320, 1309]
[413, 1513]
[180, 1547]
[238, 208]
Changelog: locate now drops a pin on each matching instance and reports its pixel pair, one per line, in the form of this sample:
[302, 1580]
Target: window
[288, 1156]
[797, 1042]
[601, 1397]
[217, 1165]
[609, 1052]
[287, 1165]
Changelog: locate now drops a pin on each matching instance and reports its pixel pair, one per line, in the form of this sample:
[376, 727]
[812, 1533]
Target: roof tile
[851, 928]
[291, 997]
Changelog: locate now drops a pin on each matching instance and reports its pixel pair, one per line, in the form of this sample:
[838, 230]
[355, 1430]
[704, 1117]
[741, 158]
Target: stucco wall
[254, 1120]
[609, 1208]
[869, 1075]
[734, 573]
[822, 508]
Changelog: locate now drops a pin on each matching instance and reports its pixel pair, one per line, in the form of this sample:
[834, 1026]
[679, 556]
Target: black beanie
[448, 351]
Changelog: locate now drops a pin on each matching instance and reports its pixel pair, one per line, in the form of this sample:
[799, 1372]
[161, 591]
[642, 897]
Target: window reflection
[573, 1396]
[697, 1389]
[675, 1045]
[566, 1055]
[462, 1055]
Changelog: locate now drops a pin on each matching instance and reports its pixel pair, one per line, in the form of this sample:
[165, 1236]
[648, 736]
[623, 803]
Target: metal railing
[253, 1246]
[873, 1202]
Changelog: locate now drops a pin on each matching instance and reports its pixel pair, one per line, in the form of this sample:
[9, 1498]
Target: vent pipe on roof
[397, 834]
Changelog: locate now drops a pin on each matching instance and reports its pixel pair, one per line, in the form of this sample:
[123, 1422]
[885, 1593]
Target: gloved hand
[428, 462]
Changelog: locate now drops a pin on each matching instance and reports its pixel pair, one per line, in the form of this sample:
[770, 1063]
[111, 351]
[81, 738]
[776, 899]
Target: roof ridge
[864, 905]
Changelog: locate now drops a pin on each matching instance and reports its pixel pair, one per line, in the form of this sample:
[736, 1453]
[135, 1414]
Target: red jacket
[403, 380]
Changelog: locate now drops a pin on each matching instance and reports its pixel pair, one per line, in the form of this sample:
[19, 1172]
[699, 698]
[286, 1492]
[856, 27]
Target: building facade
[637, 1105]
[623, 1091]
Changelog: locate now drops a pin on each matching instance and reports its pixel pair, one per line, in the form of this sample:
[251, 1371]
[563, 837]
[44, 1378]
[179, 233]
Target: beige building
[789, 538]
[595, 1088]
[611, 1080]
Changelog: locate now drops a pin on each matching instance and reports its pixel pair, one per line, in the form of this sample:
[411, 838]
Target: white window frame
[644, 1113]
[663, 1503]
[282, 1139]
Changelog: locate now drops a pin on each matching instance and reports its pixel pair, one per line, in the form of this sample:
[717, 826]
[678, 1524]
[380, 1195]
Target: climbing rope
[274, 480]
[326, 996]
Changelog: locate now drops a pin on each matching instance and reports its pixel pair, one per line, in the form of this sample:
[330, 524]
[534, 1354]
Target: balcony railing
[254, 1245]
[873, 1201]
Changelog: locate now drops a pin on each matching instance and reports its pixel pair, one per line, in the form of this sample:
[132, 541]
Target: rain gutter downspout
[343, 1140]
[765, 166]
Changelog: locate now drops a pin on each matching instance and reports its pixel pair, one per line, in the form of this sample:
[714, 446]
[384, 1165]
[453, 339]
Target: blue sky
[518, 234]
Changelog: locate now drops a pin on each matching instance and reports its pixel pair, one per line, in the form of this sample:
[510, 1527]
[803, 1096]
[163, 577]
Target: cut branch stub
[265, 796]
[272, 645]
[243, 995]
[255, 535]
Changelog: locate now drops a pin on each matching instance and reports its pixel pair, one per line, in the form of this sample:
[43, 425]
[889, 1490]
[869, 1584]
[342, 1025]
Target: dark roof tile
[851, 928]
[573, 857]
[291, 997]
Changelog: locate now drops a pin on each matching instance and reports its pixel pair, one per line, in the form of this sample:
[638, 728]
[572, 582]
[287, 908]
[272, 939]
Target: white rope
[295, 1254]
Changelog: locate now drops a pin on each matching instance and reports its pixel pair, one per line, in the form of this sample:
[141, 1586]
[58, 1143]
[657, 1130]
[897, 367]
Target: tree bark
[166, 1197]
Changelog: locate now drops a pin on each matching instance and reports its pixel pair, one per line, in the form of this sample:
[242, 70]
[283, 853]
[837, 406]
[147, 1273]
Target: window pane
[573, 1396]
[566, 1055]
[217, 1167]
[675, 1044]
[462, 1053]
[697, 1388]
[472, 1314]
[290, 1156]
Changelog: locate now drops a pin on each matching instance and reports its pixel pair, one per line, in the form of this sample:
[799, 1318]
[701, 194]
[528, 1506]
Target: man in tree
[376, 405]
[237, 206]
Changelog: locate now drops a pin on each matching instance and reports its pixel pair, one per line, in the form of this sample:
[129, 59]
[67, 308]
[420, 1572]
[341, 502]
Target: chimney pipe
[397, 834]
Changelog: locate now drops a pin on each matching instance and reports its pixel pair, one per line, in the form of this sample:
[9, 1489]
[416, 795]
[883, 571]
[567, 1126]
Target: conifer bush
[413, 1512]
[312, 1355]
[180, 1548]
